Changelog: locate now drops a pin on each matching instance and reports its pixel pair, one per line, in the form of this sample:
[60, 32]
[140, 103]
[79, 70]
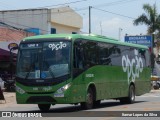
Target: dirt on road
[9, 99]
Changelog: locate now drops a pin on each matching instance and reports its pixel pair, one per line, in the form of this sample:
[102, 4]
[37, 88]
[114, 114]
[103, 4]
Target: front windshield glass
[48, 60]
[56, 57]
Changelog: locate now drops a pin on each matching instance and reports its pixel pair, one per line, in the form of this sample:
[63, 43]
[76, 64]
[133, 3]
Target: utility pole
[152, 53]
[90, 19]
[119, 33]
[101, 27]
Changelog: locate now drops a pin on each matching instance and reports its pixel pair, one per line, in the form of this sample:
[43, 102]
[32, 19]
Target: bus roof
[84, 36]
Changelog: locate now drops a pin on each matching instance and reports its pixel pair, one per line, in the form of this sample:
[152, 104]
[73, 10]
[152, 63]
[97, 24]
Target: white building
[44, 21]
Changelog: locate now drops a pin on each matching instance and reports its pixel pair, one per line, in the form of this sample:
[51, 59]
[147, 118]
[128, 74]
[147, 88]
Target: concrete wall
[64, 29]
[65, 17]
[27, 19]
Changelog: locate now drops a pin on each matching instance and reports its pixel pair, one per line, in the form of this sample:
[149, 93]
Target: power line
[100, 5]
[22, 25]
[12, 27]
[108, 4]
[85, 8]
[38, 14]
[114, 3]
[50, 6]
[6, 5]
[72, 11]
[55, 12]
[63, 4]
[78, 1]
[6, 25]
[114, 13]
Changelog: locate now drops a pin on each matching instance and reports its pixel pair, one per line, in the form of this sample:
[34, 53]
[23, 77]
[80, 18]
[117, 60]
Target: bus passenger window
[90, 54]
[78, 58]
[104, 53]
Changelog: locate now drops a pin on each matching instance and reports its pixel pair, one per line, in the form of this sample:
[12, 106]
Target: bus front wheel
[89, 100]
[44, 107]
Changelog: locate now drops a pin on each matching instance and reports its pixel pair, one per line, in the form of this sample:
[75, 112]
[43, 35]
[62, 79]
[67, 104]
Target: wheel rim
[132, 94]
[89, 99]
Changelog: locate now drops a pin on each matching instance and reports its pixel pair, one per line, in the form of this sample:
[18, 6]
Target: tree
[151, 18]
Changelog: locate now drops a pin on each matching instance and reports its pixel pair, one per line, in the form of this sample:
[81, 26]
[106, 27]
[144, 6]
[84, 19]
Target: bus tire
[44, 107]
[131, 96]
[89, 100]
[97, 103]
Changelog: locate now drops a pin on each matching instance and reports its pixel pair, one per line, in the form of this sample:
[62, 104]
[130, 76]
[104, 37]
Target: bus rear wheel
[97, 103]
[44, 107]
[89, 100]
[131, 96]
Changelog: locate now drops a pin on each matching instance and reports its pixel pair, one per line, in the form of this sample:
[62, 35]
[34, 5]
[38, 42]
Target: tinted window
[104, 53]
[115, 55]
[51, 61]
[85, 54]
[78, 55]
[90, 53]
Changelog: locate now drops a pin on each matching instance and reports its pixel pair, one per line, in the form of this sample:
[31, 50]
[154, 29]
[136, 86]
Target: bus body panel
[111, 82]
[107, 86]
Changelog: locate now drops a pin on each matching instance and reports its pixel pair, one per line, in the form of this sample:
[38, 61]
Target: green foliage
[151, 18]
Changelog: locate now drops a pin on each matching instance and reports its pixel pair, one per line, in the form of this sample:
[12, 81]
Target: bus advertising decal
[128, 64]
[58, 46]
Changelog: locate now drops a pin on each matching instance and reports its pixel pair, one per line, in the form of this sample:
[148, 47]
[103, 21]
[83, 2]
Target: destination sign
[31, 45]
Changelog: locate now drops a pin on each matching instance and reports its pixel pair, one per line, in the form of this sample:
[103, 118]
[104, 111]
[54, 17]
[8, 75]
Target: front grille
[48, 82]
[37, 99]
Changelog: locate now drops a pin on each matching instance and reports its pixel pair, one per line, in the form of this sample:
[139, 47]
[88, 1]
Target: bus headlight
[20, 90]
[60, 91]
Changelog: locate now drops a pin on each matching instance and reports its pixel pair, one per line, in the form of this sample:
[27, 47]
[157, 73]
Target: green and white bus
[73, 68]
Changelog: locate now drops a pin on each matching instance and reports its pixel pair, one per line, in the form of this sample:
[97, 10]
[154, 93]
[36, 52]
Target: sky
[112, 18]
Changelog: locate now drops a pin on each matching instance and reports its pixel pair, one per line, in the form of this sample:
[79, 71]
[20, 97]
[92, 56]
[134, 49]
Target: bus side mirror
[14, 48]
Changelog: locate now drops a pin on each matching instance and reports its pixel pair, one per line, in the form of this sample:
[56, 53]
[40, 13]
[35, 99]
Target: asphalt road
[146, 105]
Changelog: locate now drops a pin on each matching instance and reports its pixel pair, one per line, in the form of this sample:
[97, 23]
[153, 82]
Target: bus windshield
[44, 60]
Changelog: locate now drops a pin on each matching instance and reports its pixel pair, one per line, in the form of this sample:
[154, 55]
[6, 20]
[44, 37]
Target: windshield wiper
[50, 71]
[47, 64]
[28, 71]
